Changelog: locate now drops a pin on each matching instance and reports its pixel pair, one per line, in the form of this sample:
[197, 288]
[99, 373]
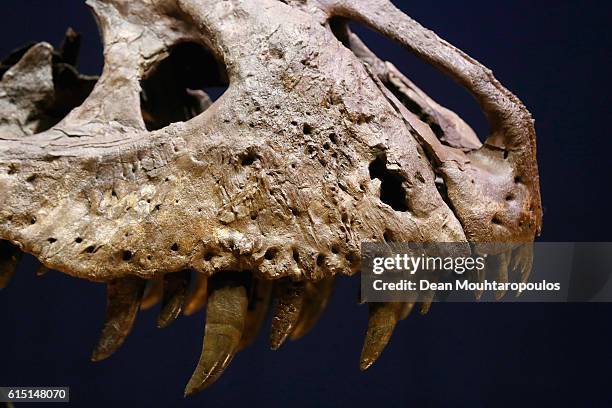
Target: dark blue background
[556, 56]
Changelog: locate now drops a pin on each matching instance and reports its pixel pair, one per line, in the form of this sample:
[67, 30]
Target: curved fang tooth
[316, 297]
[225, 319]
[153, 293]
[197, 296]
[9, 258]
[175, 291]
[123, 300]
[256, 311]
[382, 318]
[289, 305]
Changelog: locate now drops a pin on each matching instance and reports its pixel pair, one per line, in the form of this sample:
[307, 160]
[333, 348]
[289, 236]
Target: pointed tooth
[41, 270]
[526, 255]
[382, 318]
[425, 301]
[175, 291]
[225, 320]
[316, 297]
[256, 311]
[123, 300]
[154, 291]
[525, 264]
[290, 300]
[479, 277]
[9, 259]
[501, 264]
[197, 296]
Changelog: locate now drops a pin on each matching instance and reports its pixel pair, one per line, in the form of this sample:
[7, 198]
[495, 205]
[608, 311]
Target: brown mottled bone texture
[316, 146]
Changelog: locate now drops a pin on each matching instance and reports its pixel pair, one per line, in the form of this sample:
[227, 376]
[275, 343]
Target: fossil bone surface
[316, 146]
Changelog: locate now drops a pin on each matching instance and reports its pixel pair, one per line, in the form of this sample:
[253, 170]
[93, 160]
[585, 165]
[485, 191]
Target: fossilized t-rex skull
[316, 146]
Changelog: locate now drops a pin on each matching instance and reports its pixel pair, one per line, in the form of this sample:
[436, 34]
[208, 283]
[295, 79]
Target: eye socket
[181, 86]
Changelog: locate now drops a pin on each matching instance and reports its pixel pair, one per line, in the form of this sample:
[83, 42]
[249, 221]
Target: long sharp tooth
[123, 300]
[290, 300]
[382, 318]
[153, 293]
[316, 297]
[225, 320]
[175, 291]
[259, 303]
[502, 264]
[479, 278]
[197, 296]
[9, 258]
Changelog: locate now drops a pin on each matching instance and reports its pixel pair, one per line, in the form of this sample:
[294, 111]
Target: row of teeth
[236, 307]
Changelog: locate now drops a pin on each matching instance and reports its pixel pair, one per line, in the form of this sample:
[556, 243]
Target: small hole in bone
[33, 220]
[506, 153]
[496, 220]
[127, 255]
[509, 197]
[208, 256]
[78, 240]
[296, 255]
[320, 259]
[51, 240]
[249, 158]
[253, 217]
[174, 247]
[388, 236]
[335, 249]
[391, 189]
[333, 138]
[307, 129]
[270, 254]
[31, 178]
[518, 179]
[90, 249]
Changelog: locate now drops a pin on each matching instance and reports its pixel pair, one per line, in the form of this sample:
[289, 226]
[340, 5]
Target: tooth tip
[98, 356]
[366, 363]
[276, 343]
